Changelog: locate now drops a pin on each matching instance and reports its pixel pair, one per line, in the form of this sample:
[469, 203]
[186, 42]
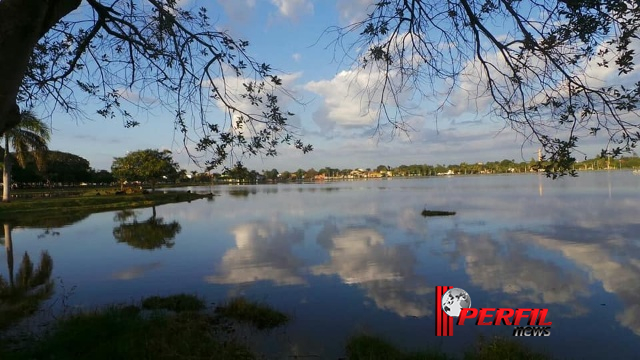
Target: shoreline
[59, 210]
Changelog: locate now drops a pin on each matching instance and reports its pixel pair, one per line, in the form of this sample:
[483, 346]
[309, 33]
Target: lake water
[357, 257]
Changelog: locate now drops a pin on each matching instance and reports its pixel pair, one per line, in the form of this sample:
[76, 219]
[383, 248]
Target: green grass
[427, 213]
[121, 332]
[366, 347]
[59, 210]
[259, 315]
[126, 332]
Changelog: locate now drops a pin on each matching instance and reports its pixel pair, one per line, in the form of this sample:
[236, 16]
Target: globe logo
[454, 300]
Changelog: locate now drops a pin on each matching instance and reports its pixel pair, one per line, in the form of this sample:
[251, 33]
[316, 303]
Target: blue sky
[288, 35]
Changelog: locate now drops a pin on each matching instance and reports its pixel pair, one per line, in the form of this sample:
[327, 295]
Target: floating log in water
[426, 213]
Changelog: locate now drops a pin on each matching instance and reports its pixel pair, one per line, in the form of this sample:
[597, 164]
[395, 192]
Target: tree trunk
[8, 247]
[22, 24]
[6, 172]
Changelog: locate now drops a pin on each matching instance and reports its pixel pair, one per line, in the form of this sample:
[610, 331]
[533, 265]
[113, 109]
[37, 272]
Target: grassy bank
[50, 211]
[180, 327]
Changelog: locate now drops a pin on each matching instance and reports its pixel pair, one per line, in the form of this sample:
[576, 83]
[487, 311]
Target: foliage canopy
[557, 71]
[29, 137]
[149, 54]
[145, 165]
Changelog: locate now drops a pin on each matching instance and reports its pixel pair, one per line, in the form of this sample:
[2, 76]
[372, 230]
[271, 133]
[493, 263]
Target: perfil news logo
[454, 302]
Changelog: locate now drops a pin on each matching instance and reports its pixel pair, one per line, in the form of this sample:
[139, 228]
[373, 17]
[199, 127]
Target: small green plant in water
[260, 316]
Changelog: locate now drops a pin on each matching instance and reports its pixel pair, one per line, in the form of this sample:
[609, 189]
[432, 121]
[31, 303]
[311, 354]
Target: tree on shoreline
[145, 165]
[31, 135]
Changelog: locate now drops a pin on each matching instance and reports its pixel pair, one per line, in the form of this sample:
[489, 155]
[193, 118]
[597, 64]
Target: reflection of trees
[387, 273]
[22, 294]
[48, 221]
[242, 192]
[262, 253]
[150, 234]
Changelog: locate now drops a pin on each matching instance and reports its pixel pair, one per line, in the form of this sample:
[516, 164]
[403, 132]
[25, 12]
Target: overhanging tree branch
[120, 51]
[536, 69]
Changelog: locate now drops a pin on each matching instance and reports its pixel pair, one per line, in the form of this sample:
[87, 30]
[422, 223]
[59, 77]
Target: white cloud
[293, 9]
[296, 57]
[353, 10]
[343, 103]
[238, 10]
[352, 98]
[233, 88]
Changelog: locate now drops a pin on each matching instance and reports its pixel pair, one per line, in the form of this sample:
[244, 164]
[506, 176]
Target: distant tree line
[239, 173]
[59, 168]
[154, 166]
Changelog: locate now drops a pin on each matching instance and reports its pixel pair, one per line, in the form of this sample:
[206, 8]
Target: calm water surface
[352, 257]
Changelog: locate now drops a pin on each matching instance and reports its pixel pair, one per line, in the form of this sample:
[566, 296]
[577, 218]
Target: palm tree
[31, 134]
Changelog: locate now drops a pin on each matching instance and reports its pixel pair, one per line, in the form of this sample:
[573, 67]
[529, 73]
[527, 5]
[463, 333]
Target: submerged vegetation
[189, 331]
[258, 315]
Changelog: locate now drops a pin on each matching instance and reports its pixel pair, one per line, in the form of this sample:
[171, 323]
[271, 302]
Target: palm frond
[31, 134]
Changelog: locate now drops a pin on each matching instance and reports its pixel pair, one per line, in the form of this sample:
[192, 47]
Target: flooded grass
[122, 332]
[190, 332]
[259, 315]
